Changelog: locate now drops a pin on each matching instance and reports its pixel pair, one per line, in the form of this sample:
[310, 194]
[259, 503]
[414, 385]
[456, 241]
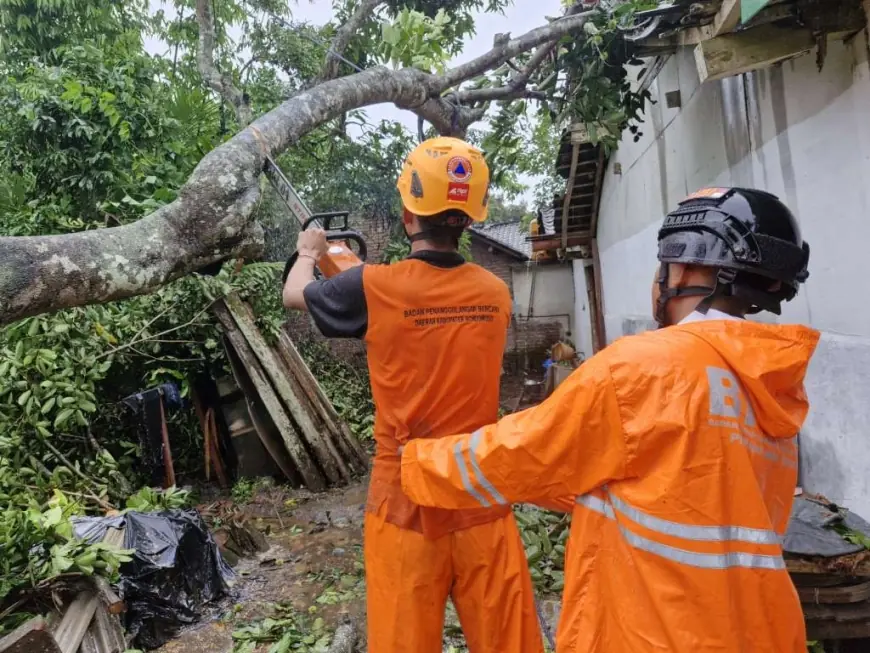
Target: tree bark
[222, 84]
[210, 220]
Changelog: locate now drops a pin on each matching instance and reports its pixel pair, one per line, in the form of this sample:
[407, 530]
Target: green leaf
[62, 417]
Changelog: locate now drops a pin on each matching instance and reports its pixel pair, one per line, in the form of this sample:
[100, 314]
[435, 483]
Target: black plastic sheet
[176, 570]
[811, 530]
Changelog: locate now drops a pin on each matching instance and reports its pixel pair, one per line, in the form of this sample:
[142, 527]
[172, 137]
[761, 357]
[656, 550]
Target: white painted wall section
[805, 136]
[552, 297]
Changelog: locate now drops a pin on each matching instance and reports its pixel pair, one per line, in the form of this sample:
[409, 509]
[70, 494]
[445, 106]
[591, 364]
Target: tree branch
[222, 84]
[510, 49]
[343, 36]
[213, 217]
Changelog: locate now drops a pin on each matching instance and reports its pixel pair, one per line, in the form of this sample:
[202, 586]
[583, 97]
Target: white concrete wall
[582, 314]
[553, 297]
[805, 136]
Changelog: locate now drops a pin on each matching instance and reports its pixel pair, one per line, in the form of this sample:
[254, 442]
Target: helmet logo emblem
[457, 192]
[711, 193]
[459, 169]
[416, 185]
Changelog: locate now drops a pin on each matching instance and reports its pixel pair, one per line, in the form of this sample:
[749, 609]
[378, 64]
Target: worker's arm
[565, 447]
[338, 304]
[310, 246]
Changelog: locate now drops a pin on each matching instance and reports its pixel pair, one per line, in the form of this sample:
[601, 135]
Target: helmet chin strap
[666, 294]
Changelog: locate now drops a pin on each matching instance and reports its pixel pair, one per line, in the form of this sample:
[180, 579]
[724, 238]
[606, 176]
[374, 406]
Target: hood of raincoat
[771, 361]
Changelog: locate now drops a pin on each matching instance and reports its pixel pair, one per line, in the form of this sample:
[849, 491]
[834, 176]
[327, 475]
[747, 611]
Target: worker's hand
[312, 242]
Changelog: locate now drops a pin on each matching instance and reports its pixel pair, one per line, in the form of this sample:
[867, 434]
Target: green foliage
[152, 500]
[287, 631]
[544, 536]
[38, 545]
[246, 489]
[346, 386]
[598, 90]
[501, 211]
[415, 40]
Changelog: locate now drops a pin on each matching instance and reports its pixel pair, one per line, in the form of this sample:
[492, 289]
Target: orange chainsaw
[339, 256]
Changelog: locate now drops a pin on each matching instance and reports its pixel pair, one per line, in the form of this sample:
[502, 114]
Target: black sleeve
[338, 305]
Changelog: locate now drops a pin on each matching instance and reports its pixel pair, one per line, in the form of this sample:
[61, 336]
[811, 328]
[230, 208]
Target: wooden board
[349, 444]
[734, 54]
[30, 637]
[262, 425]
[835, 595]
[312, 476]
[326, 456]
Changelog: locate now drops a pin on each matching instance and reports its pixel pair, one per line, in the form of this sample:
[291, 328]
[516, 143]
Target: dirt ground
[315, 559]
[314, 564]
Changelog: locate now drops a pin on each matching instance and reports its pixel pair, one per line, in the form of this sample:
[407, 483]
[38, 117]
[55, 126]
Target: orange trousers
[483, 569]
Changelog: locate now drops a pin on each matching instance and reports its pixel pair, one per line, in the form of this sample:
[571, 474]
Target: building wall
[805, 136]
[582, 313]
[550, 291]
[493, 260]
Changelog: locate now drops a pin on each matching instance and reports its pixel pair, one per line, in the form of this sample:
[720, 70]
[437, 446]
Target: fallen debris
[827, 558]
[32, 636]
[175, 572]
[293, 418]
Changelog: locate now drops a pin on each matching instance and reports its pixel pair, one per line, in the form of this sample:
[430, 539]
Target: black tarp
[176, 570]
[812, 529]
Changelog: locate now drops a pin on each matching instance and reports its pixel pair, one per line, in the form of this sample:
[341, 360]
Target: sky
[517, 19]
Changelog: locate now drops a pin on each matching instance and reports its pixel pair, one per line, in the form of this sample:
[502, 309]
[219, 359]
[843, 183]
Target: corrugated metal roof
[506, 234]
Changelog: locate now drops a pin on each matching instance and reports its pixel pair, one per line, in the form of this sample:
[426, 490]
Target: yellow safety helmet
[445, 173]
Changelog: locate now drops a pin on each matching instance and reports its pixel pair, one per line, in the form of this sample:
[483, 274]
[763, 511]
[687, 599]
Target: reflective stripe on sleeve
[478, 473]
[466, 481]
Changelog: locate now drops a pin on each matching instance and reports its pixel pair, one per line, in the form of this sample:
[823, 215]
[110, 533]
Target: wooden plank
[110, 600]
[347, 441]
[857, 565]
[553, 242]
[305, 388]
[300, 456]
[169, 480]
[268, 433]
[733, 54]
[569, 189]
[833, 630]
[264, 426]
[216, 457]
[32, 636]
[599, 296]
[76, 620]
[844, 594]
[725, 20]
[596, 202]
[105, 634]
[325, 454]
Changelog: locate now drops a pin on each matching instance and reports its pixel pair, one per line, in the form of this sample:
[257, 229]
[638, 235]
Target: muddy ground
[314, 564]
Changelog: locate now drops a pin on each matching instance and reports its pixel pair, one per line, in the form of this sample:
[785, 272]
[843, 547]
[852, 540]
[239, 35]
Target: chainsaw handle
[327, 219]
[345, 236]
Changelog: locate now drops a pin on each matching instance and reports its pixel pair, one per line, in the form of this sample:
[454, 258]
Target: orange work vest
[436, 338]
[676, 449]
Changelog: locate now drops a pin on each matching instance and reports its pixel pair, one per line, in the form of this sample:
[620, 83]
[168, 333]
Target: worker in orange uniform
[435, 328]
[676, 446]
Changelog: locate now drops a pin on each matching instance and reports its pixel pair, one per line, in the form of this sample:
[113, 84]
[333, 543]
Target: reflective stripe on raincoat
[677, 450]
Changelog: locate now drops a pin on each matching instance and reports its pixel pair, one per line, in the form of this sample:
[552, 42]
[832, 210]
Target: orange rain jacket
[678, 449]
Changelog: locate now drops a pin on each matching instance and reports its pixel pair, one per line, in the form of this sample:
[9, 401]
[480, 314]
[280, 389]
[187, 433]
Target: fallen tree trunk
[211, 220]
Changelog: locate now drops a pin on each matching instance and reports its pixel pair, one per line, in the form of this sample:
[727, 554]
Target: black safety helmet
[748, 235]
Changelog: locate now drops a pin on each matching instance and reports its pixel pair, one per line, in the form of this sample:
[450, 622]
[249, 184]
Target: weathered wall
[805, 136]
[550, 291]
[582, 313]
[493, 260]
